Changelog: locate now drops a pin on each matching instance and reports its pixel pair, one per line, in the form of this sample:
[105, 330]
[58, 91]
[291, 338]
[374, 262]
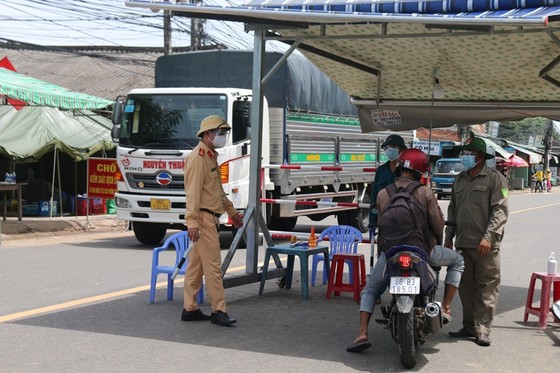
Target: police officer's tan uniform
[206, 201]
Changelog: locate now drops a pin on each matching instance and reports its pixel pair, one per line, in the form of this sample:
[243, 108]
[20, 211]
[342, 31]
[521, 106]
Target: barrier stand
[87, 225]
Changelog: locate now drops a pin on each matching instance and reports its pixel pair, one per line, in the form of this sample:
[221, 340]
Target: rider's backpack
[403, 221]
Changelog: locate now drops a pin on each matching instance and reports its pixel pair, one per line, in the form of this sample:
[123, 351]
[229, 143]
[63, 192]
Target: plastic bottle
[312, 238]
[6, 177]
[14, 178]
[552, 265]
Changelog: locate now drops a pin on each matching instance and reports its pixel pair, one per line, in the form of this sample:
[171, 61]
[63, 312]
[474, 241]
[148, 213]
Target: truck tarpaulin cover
[297, 85]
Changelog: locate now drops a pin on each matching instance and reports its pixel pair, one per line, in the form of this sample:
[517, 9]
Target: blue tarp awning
[500, 8]
[436, 11]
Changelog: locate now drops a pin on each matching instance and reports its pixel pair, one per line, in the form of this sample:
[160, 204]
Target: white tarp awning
[533, 157]
[499, 150]
[27, 134]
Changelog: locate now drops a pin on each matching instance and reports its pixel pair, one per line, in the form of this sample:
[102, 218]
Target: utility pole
[196, 30]
[547, 144]
[167, 32]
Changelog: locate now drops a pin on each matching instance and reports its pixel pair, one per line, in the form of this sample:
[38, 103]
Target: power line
[109, 22]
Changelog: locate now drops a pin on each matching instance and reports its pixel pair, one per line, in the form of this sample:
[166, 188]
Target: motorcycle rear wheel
[407, 341]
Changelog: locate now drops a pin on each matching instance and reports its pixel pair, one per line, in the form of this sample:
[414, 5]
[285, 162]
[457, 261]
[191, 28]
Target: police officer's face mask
[220, 138]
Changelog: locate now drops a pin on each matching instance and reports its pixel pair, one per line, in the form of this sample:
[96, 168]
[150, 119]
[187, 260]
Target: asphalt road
[80, 303]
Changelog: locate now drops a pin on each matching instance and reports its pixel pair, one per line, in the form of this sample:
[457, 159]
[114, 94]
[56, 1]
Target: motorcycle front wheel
[407, 341]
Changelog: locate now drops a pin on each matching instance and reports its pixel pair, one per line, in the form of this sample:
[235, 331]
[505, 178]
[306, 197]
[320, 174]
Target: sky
[107, 23]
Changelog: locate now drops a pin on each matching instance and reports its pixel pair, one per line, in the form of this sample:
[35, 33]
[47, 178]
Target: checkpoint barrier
[309, 200]
[319, 168]
[315, 203]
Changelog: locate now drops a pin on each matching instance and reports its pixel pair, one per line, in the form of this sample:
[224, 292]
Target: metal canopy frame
[262, 21]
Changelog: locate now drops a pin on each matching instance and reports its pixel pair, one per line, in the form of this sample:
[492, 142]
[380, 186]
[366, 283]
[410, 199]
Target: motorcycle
[556, 311]
[413, 313]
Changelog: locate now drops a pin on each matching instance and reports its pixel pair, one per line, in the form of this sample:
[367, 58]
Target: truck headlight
[434, 184]
[122, 203]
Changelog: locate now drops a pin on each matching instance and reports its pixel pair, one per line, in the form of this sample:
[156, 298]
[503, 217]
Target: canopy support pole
[253, 220]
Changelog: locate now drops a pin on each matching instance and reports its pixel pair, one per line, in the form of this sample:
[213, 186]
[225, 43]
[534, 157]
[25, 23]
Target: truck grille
[148, 182]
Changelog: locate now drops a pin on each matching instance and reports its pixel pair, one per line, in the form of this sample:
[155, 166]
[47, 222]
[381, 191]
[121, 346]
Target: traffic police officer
[206, 202]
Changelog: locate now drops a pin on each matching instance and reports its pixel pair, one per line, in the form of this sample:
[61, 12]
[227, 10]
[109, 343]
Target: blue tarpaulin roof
[449, 11]
[499, 8]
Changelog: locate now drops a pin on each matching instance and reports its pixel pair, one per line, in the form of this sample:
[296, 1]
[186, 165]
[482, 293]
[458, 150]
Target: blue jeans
[439, 256]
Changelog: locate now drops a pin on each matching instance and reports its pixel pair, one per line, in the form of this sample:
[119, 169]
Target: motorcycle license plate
[160, 204]
[404, 285]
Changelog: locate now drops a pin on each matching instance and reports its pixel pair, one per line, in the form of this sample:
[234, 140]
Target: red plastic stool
[544, 309]
[358, 275]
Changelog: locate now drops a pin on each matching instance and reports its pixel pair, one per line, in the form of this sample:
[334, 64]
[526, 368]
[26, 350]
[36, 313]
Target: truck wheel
[362, 219]
[358, 218]
[275, 222]
[148, 233]
[242, 242]
[283, 224]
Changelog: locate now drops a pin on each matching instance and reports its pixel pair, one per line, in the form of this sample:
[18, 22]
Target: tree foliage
[524, 130]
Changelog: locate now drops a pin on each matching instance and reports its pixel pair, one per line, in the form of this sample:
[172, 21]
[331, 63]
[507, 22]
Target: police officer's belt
[211, 212]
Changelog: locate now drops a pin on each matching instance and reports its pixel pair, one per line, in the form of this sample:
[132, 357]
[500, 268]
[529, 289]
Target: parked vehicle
[156, 129]
[413, 313]
[446, 170]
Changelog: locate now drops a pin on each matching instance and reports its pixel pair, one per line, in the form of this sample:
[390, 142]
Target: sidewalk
[12, 228]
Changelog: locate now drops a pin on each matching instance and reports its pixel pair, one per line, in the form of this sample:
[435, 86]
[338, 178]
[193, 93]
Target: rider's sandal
[445, 318]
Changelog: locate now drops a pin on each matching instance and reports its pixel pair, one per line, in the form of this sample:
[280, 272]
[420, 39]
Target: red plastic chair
[342, 239]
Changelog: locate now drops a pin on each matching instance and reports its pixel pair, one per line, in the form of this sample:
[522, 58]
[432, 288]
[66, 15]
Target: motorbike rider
[412, 165]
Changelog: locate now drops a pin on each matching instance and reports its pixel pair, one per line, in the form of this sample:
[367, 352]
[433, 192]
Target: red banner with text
[101, 178]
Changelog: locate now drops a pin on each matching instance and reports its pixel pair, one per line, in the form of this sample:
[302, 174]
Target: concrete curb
[15, 229]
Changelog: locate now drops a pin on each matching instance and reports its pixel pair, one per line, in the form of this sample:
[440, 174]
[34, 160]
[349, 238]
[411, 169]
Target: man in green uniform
[477, 213]
[206, 202]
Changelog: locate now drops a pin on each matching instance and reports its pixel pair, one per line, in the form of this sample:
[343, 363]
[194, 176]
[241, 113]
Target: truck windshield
[449, 167]
[168, 121]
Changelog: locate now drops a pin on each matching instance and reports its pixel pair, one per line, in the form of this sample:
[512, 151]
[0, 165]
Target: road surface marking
[83, 301]
[534, 208]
